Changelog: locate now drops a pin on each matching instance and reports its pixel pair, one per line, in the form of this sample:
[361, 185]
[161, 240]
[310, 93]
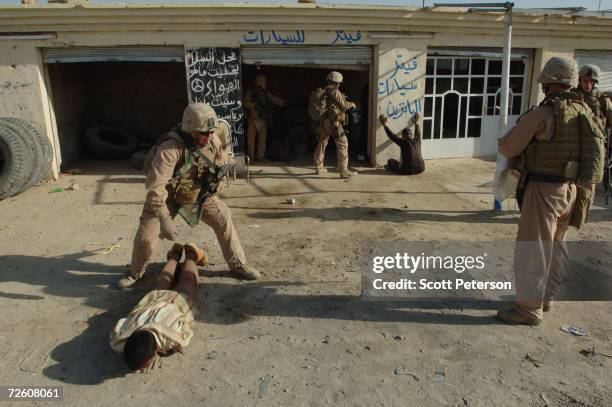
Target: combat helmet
[559, 70]
[335, 77]
[590, 71]
[200, 117]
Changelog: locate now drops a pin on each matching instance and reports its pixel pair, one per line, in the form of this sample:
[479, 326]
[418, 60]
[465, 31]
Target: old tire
[110, 143]
[42, 153]
[138, 159]
[16, 164]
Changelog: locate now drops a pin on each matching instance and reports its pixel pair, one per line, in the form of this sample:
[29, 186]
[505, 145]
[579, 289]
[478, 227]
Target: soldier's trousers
[215, 214]
[327, 130]
[257, 135]
[540, 255]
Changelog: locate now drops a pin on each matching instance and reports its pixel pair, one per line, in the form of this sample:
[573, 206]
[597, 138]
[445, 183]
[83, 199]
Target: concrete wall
[22, 89]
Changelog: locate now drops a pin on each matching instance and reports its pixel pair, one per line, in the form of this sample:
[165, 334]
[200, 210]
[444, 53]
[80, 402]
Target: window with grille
[460, 91]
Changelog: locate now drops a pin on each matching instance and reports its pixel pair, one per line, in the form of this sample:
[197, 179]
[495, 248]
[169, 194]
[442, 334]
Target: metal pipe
[502, 162]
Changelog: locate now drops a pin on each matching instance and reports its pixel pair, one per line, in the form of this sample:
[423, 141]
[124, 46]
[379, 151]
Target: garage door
[113, 54]
[308, 55]
[603, 59]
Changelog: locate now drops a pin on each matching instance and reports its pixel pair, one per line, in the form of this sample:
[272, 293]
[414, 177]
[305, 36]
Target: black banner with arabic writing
[213, 77]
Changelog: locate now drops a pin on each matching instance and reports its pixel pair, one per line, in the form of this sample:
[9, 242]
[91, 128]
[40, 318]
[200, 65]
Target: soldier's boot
[517, 316]
[176, 252]
[346, 174]
[200, 255]
[246, 272]
[127, 281]
[321, 170]
[548, 305]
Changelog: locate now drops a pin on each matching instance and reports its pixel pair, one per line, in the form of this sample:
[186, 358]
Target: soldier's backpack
[317, 104]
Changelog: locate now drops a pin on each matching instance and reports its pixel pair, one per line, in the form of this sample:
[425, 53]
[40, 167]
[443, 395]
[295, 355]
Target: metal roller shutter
[113, 54]
[601, 58]
[308, 55]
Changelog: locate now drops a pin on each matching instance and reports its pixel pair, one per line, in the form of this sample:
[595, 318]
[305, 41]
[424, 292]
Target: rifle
[192, 213]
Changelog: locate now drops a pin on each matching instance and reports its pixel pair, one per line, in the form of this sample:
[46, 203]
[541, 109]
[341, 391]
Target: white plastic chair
[224, 133]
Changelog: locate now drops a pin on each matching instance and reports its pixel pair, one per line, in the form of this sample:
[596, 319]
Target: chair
[224, 133]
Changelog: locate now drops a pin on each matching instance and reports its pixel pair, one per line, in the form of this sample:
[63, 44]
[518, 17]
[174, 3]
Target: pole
[502, 162]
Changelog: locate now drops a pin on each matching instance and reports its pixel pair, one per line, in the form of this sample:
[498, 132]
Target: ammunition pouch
[185, 191]
[580, 214]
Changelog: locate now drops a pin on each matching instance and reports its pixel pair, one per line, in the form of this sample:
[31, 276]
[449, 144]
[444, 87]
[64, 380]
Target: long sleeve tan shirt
[338, 99]
[538, 123]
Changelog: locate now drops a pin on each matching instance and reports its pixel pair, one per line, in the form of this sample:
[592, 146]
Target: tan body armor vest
[195, 173]
[576, 151]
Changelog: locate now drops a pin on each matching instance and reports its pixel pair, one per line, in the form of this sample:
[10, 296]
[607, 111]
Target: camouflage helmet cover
[199, 117]
[590, 71]
[335, 77]
[559, 70]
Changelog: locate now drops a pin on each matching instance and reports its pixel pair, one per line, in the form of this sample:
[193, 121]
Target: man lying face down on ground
[411, 162]
[162, 321]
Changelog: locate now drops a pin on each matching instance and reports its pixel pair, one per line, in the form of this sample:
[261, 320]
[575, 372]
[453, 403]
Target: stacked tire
[25, 155]
[109, 142]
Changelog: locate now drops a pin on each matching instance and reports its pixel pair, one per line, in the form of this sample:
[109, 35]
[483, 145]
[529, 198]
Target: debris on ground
[574, 330]
[264, 385]
[106, 250]
[400, 371]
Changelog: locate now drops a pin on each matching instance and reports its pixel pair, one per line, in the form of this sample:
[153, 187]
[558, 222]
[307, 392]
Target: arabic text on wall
[213, 76]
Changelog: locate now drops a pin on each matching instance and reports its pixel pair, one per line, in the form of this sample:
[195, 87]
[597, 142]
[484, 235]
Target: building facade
[136, 66]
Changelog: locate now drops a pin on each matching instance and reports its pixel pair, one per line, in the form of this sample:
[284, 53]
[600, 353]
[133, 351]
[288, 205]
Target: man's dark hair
[139, 348]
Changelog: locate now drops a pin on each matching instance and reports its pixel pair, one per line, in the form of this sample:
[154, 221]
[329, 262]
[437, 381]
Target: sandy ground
[302, 335]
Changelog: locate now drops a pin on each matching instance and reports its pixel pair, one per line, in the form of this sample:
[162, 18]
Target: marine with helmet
[184, 172]
[259, 103]
[333, 119]
[588, 78]
[558, 149]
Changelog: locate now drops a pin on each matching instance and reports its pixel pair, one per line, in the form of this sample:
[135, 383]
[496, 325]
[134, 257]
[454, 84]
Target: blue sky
[589, 4]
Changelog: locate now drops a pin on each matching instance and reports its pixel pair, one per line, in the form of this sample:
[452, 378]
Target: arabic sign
[398, 88]
[297, 37]
[347, 37]
[275, 37]
[213, 77]
[395, 82]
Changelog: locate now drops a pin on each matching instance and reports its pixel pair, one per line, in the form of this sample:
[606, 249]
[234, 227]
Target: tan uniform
[331, 126]
[601, 106]
[540, 255]
[257, 127]
[169, 158]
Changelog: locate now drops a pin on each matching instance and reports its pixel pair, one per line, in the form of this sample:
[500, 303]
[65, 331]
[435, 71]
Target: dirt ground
[302, 335]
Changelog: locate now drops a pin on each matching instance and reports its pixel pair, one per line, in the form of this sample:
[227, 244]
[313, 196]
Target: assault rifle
[193, 213]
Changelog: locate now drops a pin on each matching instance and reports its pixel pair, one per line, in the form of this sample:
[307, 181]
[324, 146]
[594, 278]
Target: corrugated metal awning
[602, 59]
[113, 54]
[307, 55]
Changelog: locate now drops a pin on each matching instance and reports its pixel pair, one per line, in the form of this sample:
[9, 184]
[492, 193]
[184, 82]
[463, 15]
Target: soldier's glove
[167, 227]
